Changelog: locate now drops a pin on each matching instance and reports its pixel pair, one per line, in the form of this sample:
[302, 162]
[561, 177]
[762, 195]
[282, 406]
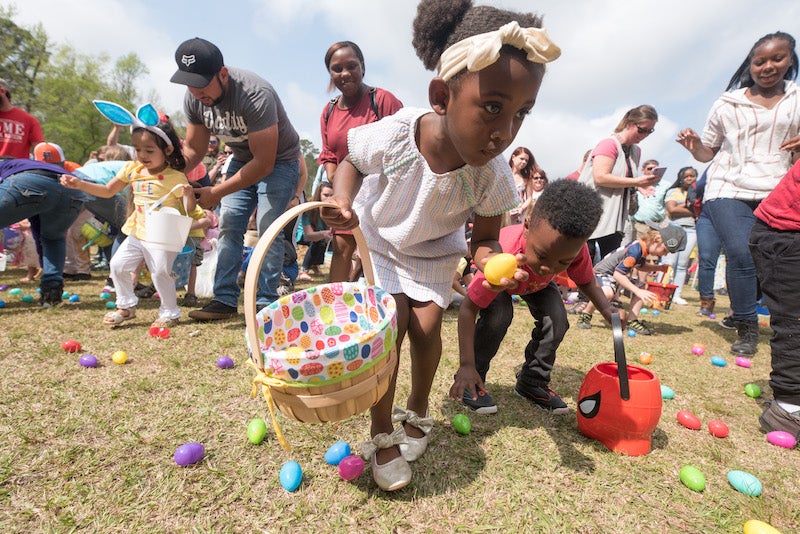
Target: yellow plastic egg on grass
[119, 357]
[500, 266]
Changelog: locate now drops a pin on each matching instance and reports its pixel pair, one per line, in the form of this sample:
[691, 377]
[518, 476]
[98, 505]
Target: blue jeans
[679, 261]
[733, 220]
[709, 248]
[270, 196]
[26, 194]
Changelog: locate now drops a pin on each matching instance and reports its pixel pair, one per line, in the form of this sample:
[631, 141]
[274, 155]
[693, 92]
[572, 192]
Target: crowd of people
[440, 194]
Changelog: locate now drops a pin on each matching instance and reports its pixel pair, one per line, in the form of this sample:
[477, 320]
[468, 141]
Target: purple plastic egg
[88, 360]
[224, 362]
[781, 439]
[3, 287]
[712, 316]
[189, 453]
[350, 467]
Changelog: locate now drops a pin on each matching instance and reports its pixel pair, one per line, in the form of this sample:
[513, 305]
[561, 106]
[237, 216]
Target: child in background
[553, 239]
[203, 221]
[316, 234]
[617, 267]
[428, 171]
[774, 242]
[24, 250]
[155, 172]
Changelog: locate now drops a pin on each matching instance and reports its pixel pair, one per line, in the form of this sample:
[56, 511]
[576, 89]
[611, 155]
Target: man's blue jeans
[733, 220]
[270, 196]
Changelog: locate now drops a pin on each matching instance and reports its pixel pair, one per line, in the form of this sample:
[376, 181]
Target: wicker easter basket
[336, 398]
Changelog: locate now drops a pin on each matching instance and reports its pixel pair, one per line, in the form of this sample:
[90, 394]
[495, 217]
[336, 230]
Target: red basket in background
[665, 292]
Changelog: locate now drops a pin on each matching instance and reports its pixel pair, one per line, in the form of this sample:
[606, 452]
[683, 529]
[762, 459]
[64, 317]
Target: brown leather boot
[706, 306]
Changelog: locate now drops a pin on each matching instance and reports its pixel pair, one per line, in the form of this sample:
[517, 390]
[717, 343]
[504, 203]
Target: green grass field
[91, 449]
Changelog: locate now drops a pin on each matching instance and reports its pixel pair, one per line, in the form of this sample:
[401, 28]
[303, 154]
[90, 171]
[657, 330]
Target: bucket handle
[619, 357]
[259, 254]
[160, 202]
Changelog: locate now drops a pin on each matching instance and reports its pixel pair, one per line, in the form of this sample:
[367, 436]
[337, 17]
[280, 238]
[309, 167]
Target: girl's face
[689, 177]
[520, 161]
[346, 71]
[148, 153]
[485, 109]
[325, 193]
[770, 62]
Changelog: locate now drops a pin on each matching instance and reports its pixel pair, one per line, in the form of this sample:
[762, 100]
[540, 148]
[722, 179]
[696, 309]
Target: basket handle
[619, 357]
[158, 203]
[260, 252]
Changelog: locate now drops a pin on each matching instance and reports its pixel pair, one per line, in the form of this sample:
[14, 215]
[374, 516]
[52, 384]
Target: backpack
[372, 103]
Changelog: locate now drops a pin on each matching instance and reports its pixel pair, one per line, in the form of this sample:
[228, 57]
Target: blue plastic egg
[105, 296]
[656, 313]
[719, 361]
[644, 311]
[27, 298]
[74, 298]
[189, 453]
[111, 305]
[666, 392]
[631, 333]
[745, 482]
[2, 304]
[65, 295]
[291, 476]
[15, 291]
[337, 452]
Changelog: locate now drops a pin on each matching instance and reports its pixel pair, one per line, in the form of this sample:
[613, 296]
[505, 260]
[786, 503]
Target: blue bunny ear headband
[146, 117]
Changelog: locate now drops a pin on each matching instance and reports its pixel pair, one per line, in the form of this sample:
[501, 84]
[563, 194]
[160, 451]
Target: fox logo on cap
[188, 60]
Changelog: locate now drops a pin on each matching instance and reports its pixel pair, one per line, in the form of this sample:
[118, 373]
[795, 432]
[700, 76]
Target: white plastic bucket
[166, 229]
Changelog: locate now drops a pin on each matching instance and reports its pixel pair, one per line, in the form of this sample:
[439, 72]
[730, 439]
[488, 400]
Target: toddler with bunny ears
[430, 170]
[156, 172]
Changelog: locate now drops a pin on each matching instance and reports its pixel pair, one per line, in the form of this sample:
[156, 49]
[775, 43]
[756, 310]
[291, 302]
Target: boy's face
[657, 248]
[547, 251]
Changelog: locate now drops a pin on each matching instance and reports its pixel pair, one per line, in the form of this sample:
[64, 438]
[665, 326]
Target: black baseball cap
[198, 62]
[673, 236]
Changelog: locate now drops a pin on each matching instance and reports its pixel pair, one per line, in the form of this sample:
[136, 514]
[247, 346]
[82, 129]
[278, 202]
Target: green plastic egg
[461, 424]
[752, 390]
[692, 478]
[256, 431]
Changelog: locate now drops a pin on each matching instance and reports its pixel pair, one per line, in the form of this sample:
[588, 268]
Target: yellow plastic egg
[119, 357]
[500, 266]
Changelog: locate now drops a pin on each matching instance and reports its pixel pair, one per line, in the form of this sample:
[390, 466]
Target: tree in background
[310, 153]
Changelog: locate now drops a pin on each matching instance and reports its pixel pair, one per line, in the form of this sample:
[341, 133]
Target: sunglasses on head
[645, 130]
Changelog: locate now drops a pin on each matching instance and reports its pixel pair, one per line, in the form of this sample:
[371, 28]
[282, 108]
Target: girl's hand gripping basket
[325, 353]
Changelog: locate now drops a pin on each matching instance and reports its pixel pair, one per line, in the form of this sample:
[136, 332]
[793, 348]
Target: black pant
[606, 244]
[550, 326]
[776, 255]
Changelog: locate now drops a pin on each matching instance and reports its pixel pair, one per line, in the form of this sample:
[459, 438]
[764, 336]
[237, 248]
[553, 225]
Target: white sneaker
[679, 301]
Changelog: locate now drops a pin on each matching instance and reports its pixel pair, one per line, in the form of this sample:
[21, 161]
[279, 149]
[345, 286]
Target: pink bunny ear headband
[146, 117]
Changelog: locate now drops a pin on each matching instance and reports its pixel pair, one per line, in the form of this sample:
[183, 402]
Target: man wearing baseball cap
[244, 111]
[19, 130]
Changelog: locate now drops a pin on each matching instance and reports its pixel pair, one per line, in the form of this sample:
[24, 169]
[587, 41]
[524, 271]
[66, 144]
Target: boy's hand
[466, 379]
[520, 276]
[648, 297]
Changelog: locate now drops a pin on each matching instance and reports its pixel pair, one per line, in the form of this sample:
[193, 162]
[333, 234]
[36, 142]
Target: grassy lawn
[91, 449]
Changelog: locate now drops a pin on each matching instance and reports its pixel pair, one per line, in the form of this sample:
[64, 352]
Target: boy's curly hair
[571, 208]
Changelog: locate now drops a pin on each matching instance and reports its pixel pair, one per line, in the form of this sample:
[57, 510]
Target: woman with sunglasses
[611, 170]
[529, 179]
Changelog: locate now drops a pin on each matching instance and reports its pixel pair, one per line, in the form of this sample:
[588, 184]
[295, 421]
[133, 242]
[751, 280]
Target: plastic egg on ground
[644, 311]
[754, 526]
[351, 467]
[693, 478]
[27, 298]
[74, 298]
[698, 350]
[3, 287]
[719, 361]
[462, 424]
[2, 304]
[745, 482]
[15, 291]
[741, 361]
[666, 392]
[119, 357]
[781, 439]
[631, 333]
[105, 295]
[656, 313]
[712, 316]
[71, 345]
[65, 295]
[160, 332]
[645, 358]
[291, 476]
[224, 362]
[111, 305]
[256, 431]
[752, 390]
[718, 429]
[88, 360]
[189, 453]
[337, 452]
[689, 420]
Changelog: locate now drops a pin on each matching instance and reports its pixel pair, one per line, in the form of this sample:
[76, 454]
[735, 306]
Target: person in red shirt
[775, 247]
[552, 239]
[19, 130]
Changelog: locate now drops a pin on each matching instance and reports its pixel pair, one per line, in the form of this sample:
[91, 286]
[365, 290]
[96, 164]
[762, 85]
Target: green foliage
[23, 55]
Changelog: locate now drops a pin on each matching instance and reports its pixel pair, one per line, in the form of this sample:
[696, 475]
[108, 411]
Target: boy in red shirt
[552, 239]
[775, 247]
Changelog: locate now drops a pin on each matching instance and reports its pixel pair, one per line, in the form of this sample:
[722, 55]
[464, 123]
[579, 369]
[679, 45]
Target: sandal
[304, 277]
[116, 317]
[412, 448]
[164, 323]
[394, 474]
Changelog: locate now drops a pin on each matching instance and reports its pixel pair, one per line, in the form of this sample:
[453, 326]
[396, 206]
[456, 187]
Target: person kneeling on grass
[616, 268]
[551, 240]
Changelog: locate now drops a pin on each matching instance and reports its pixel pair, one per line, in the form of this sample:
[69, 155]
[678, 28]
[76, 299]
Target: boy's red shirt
[512, 241]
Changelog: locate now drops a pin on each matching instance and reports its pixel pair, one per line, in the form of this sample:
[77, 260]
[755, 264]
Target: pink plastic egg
[689, 420]
[698, 350]
[781, 439]
[350, 467]
[718, 429]
[741, 361]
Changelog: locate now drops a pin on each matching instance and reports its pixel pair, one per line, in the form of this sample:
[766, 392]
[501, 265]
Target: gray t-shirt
[251, 105]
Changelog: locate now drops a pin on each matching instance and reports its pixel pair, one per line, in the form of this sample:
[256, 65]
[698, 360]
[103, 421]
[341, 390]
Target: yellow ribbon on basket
[265, 381]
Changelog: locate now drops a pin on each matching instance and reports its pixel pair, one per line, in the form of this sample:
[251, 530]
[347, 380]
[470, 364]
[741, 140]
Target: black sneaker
[728, 323]
[544, 397]
[776, 418]
[584, 321]
[213, 311]
[76, 277]
[484, 405]
[50, 296]
[640, 327]
[144, 292]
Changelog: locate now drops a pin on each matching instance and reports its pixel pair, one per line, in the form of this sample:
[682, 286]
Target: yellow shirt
[147, 189]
